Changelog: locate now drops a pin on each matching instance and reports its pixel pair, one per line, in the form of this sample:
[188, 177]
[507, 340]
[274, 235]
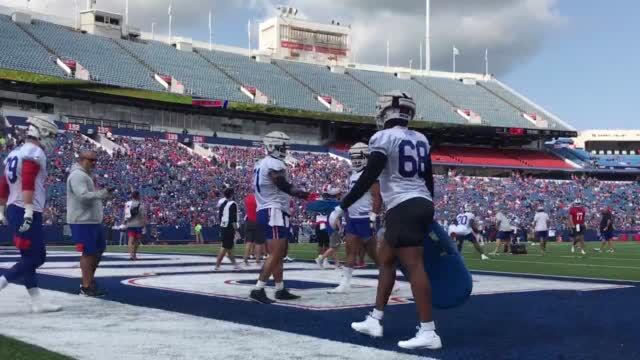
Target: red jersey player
[577, 220]
[22, 191]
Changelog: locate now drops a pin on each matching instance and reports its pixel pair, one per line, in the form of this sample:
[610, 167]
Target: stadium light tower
[427, 61]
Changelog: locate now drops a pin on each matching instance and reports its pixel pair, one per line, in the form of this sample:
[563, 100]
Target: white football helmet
[276, 143]
[44, 130]
[359, 153]
[468, 208]
[395, 105]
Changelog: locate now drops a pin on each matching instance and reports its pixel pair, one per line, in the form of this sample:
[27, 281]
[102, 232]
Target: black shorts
[228, 236]
[542, 235]
[407, 224]
[252, 234]
[323, 238]
[575, 232]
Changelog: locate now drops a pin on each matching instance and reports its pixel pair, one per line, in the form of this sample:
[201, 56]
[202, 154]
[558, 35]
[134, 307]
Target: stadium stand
[189, 68]
[21, 52]
[355, 97]
[493, 110]
[106, 62]
[430, 106]
[219, 75]
[515, 158]
[277, 85]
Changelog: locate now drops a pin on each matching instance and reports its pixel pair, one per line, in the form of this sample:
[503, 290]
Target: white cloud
[512, 30]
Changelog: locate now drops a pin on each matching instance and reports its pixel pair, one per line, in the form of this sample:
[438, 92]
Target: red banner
[326, 50]
[103, 130]
[295, 46]
[516, 131]
[72, 127]
[171, 136]
[210, 103]
[70, 63]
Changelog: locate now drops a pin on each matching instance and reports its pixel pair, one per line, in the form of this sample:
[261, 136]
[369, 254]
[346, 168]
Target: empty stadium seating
[20, 52]
[278, 86]
[492, 110]
[219, 75]
[356, 98]
[430, 107]
[519, 158]
[107, 62]
[189, 68]
[521, 105]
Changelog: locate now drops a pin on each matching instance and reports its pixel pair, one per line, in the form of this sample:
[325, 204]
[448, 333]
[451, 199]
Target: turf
[11, 349]
[623, 265]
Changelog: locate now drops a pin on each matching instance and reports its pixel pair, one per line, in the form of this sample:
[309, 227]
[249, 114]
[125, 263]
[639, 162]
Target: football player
[467, 230]
[606, 230]
[361, 219]
[23, 193]
[273, 192]
[577, 220]
[400, 159]
[541, 228]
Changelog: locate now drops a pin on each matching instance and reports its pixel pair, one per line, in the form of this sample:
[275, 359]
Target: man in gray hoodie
[84, 216]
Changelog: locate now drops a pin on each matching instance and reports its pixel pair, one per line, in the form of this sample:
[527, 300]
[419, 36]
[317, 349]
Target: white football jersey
[13, 173]
[464, 223]
[407, 152]
[361, 208]
[268, 195]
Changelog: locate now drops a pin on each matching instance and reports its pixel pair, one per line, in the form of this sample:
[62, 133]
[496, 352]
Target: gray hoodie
[84, 203]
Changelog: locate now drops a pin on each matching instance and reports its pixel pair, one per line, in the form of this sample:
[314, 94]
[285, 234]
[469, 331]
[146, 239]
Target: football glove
[28, 218]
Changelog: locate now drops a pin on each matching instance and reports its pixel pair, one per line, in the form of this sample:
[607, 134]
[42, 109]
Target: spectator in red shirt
[253, 238]
[577, 215]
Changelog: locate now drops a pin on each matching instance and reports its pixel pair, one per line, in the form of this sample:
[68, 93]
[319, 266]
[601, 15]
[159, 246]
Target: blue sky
[586, 73]
[575, 58]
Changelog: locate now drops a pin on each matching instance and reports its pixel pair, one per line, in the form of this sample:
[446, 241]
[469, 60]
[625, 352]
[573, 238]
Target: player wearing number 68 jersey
[400, 159]
[22, 191]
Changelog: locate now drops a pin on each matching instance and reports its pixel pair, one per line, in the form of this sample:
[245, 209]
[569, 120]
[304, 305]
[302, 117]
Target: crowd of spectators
[181, 188]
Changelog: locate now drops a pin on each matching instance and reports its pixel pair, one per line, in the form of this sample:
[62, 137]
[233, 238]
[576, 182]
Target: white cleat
[424, 339]
[340, 289]
[573, 249]
[484, 257]
[582, 252]
[319, 261]
[369, 326]
[41, 308]
[325, 264]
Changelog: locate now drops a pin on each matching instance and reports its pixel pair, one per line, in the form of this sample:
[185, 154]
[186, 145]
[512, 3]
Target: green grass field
[11, 349]
[623, 265]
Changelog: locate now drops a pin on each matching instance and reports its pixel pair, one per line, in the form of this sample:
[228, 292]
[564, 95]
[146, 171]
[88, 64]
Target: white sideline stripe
[491, 272]
[88, 327]
[566, 264]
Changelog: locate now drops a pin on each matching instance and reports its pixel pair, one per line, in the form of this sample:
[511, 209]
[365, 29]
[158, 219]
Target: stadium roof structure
[156, 70]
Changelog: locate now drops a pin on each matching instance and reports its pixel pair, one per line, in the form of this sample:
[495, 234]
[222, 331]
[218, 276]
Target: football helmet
[277, 143]
[395, 105]
[359, 153]
[44, 130]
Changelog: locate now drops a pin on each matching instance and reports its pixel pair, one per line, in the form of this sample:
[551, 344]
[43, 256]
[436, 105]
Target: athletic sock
[428, 326]
[3, 282]
[280, 286]
[377, 314]
[260, 285]
[35, 294]
[347, 273]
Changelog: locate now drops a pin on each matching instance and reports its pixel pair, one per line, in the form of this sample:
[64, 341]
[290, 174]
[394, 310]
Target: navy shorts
[468, 237]
[88, 238]
[504, 235]
[606, 235]
[359, 227]
[542, 235]
[274, 223]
